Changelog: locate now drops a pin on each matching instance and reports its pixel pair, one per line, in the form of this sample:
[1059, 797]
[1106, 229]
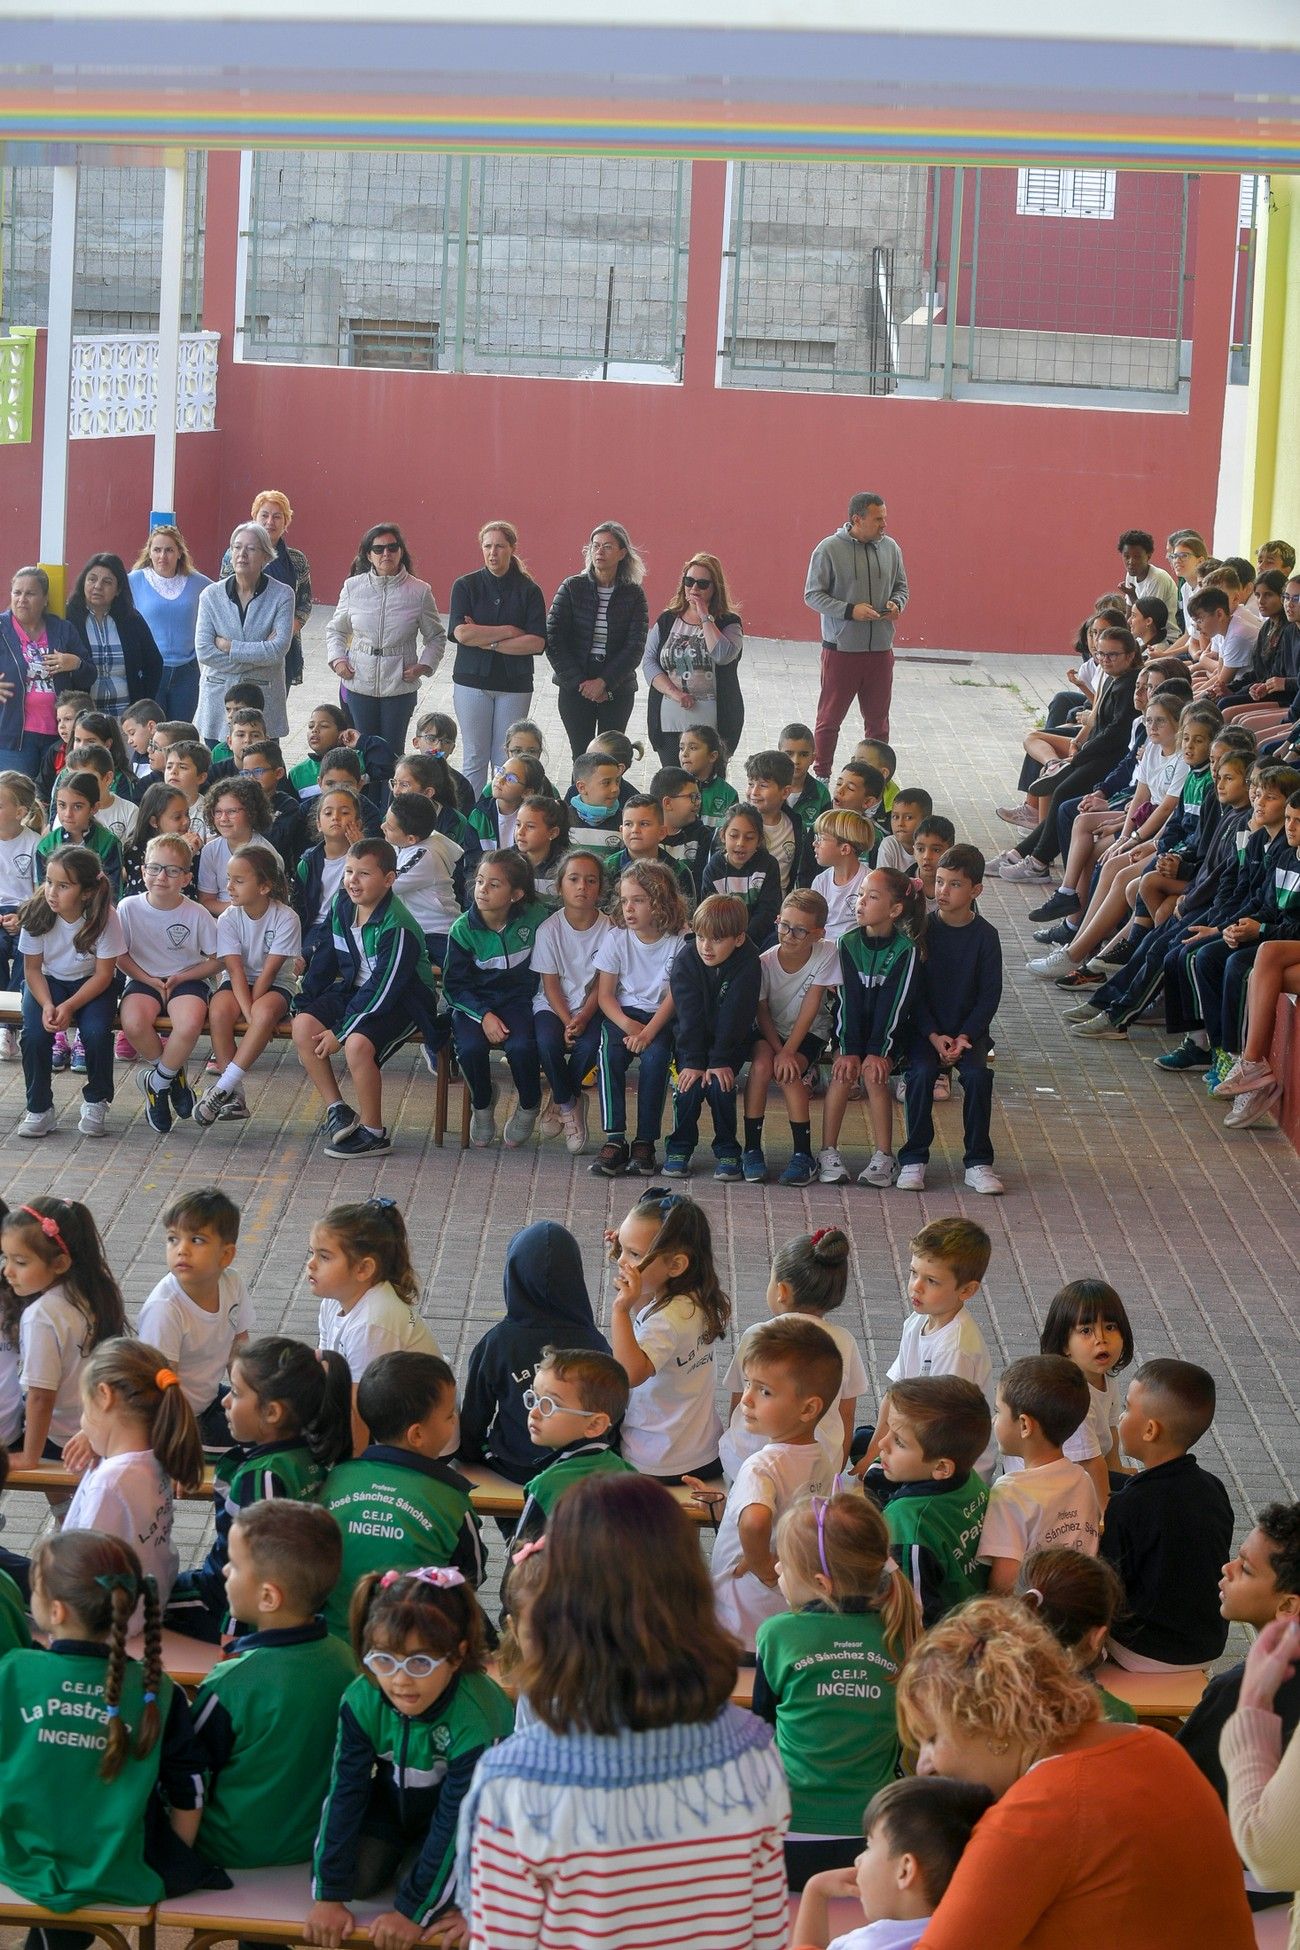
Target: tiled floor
[1112, 1168]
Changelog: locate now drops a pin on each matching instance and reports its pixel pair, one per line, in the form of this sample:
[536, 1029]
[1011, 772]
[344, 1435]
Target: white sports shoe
[1252, 1107]
[830, 1167]
[983, 1178]
[1046, 966]
[882, 1170]
[574, 1121]
[36, 1124]
[911, 1178]
[551, 1122]
[9, 1051]
[1244, 1076]
[1023, 868]
[93, 1120]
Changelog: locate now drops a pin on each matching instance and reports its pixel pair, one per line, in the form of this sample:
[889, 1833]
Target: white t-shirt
[1237, 645]
[119, 817]
[215, 858]
[841, 902]
[11, 1393]
[1051, 1507]
[642, 967]
[257, 941]
[893, 1934]
[17, 869]
[164, 940]
[738, 1442]
[775, 1476]
[331, 879]
[380, 1323]
[784, 993]
[62, 958]
[956, 1349]
[779, 841]
[1094, 1435]
[196, 1343]
[672, 1423]
[53, 1339]
[425, 885]
[1161, 773]
[894, 854]
[561, 949]
[130, 1497]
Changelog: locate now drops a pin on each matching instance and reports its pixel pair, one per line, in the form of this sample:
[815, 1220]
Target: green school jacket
[716, 800]
[935, 1530]
[830, 1678]
[398, 1511]
[14, 1633]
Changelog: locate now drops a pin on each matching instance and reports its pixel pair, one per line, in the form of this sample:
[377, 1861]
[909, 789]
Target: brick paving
[1112, 1168]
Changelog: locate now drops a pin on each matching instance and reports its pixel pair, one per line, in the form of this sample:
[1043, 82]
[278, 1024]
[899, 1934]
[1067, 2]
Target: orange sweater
[1118, 1841]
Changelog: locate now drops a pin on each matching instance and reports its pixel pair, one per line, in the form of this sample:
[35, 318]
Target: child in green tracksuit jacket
[398, 1504]
[577, 1399]
[489, 985]
[266, 1718]
[939, 1427]
[879, 965]
[410, 1735]
[88, 1738]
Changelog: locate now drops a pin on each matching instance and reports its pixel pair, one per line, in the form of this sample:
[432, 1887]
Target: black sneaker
[643, 1159]
[1059, 935]
[340, 1118]
[359, 1143]
[1061, 903]
[158, 1110]
[612, 1160]
[181, 1095]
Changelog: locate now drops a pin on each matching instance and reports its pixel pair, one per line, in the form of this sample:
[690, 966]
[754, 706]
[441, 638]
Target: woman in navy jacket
[126, 661]
[40, 655]
[595, 636]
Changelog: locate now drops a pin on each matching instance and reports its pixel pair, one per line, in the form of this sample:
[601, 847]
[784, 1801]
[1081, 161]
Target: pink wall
[1007, 515]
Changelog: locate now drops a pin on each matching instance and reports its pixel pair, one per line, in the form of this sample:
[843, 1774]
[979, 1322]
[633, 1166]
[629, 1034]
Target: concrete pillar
[169, 340]
[58, 381]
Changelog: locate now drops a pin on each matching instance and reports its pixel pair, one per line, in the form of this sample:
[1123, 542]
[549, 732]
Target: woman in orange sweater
[1101, 1834]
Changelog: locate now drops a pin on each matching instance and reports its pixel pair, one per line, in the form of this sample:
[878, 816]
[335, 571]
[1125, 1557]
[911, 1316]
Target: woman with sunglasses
[690, 660]
[371, 639]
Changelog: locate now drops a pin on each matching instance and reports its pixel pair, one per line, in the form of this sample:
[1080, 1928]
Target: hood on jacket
[544, 1283]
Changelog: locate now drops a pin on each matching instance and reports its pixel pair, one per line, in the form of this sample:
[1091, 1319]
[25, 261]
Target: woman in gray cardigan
[244, 631]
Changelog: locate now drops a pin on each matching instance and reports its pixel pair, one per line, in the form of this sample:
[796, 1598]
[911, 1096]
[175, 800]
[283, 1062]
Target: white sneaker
[520, 1126]
[983, 1178]
[1244, 1076]
[1252, 1107]
[36, 1124]
[1044, 966]
[9, 1052]
[1082, 1012]
[911, 1178]
[574, 1124]
[882, 1169]
[1021, 869]
[993, 868]
[483, 1123]
[93, 1119]
[551, 1122]
[830, 1167]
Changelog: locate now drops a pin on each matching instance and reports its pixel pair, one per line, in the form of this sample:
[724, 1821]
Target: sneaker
[211, 1104]
[728, 1170]
[1118, 955]
[1058, 936]
[78, 1057]
[9, 1051]
[881, 1170]
[124, 1049]
[1048, 967]
[1220, 1064]
[520, 1126]
[801, 1170]
[1244, 1076]
[1064, 901]
[643, 1158]
[1100, 1029]
[830, 1167]
[359, 1143]
[237, 1109]
[1252, 1107]
[753, 1166]
[573, 1122]
[1022, 816]
[551, 1122]
[180, 1093]
[61, 1052]
[93, 1121]
[983, 1178]
[1079, 978]
[677, 1164]
[612, 1160]
[36, 1124]
[1023, 871]
[483, 1123]
[339, 1119]
[1187, 1056]
[911, 1178]
[1082, 1012]
[942, 1087]
[158, 1110]
[212, 1068]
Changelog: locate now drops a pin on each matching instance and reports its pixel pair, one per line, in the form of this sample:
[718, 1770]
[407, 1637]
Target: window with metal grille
[1065, 192]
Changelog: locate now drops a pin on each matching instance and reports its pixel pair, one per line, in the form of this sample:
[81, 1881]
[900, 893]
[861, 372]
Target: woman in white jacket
[382, 609]
[245, 627]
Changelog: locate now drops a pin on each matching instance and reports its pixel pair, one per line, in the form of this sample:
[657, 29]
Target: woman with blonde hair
[595, 636]
[497, 620]
[690, 660]
[290, 566]
[166, 588]
[1100, 1833]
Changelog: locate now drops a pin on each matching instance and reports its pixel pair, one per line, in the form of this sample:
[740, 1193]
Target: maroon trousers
[864, 675]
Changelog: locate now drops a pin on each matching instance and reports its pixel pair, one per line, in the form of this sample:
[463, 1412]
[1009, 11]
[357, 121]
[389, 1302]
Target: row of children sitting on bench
[804, 1571]
[562, 986]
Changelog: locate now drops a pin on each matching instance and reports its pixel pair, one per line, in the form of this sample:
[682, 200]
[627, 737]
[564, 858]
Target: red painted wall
[1007, 515]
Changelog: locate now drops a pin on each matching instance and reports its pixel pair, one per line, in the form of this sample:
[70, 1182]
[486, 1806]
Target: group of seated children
[342, 1573]
[676, 930]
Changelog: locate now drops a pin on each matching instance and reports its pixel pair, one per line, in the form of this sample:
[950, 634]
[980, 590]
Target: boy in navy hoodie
[546, 1305]
[715, 984]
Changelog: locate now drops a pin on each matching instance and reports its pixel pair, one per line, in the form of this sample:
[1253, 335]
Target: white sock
[375, 1130]
[232, 1076]
[1200, 1037]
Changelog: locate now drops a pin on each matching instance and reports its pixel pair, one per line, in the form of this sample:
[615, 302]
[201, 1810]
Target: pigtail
[36, 916]
[94, 916]
[684, 1228]
[150, 1727]
[910, 896]
[329, 1433]
[899, 1612]
[363, 1598]
[122, 1600]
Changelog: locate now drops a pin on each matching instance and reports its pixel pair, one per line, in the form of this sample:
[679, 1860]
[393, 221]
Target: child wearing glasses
[171, 951]
[411, 1732]
[798, 980]
[575, 1405]
[493, 819]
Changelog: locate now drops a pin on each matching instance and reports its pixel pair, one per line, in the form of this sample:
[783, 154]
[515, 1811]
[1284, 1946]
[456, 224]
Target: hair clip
[382, 1204]
[661, 1196]
[150, 1699]
[112, 1712]
[528, 1550]
[49, 1226]
[166, 1379]
[1037, 1596]
[443, 1577]
[820, 1506]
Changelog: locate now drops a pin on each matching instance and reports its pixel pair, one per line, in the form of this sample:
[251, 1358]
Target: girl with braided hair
[92, 1740]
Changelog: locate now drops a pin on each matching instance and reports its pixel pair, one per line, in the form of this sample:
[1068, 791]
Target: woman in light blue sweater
[166, 587]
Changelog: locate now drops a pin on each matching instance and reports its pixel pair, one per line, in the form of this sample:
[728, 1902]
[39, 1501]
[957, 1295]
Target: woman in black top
[595, 636]
[128, 663]
[497, 621]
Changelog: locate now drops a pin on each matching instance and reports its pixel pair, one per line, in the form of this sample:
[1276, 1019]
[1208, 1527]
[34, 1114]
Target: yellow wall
[1272, 458]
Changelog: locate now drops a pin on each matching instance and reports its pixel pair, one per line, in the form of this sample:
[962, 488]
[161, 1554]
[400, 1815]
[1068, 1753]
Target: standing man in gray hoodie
[858, 586]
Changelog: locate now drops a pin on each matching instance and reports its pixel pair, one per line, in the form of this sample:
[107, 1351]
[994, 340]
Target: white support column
[169, 339]
[58, 380]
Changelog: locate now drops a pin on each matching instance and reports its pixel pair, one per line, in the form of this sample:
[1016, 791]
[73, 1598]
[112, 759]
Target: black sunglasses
[697, 582]
[385, 548]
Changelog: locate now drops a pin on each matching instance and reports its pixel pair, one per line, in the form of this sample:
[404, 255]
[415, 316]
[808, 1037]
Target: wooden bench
[105, 1921]
[265, 1906]
[1152, 1695]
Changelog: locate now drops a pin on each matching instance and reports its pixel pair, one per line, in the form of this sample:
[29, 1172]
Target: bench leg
[440, 1096]
[464, 1115]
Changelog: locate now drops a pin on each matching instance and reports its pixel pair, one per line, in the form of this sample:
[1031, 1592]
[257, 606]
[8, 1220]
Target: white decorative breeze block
[115, 385]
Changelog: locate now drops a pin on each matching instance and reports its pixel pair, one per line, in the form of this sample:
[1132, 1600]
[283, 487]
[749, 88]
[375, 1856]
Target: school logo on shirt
[23, 863]
[178, 933]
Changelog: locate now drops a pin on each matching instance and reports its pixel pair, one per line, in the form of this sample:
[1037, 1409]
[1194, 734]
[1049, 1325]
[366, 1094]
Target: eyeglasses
[547, 1406]
[693, 798]
[697, 582]
[417, 1665]
[152, 872]
[385, 548]
[795, 934]
[157, 745]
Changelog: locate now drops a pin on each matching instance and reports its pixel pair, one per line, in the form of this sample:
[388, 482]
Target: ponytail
[843, 1539]
[148, 1388]
[910, 895]
[314, 1389]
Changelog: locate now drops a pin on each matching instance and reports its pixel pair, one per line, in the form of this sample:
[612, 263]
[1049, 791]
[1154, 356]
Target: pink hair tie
[441, 1576]
[528, 1550]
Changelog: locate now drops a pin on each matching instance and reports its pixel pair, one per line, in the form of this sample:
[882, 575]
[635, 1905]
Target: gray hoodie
[843, 572]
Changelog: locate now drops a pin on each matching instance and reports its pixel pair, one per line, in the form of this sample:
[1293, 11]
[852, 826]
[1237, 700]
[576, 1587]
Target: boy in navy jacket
[715, 984]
